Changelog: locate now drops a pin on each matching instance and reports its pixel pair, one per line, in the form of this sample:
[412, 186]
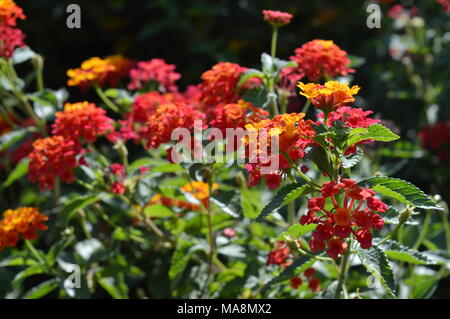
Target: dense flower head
[351, 117]
[219, 84]
[294, 135]
[436, 137]
[10, 12]
[22, 222]
[164, 119]
[82, 120]
[122, 67]
[94, 71]
[54, 157]
[321, 58]
[445, 5]
[118, 188]
[277, 18]
[237, 115]
[10, 39]
[279, 256]
[355, 215]
[154, 71]
[329, 96]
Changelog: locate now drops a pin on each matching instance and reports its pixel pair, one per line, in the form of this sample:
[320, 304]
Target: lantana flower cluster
[11, 37]
[22, 222]
[354, 211]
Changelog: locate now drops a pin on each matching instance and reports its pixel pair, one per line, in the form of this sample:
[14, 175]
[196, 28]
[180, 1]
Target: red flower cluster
[155, 70]
[236, 115]
[436, 138]
[351, 117]
[82, 120]
[346, 218]
[10, 37]
[279, 256]
[166, 118]
[445, 5]
[24, 221]
[54, 157]
[313, 282]
[293, 135]
[277, 18]
[321, 58]
[219, 84]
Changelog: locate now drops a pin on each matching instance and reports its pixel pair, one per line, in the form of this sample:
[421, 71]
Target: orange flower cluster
[294, 135]
[10, 37]
[197, 189]
[237, 115]
[54, 157]
[82, 120]
[10, 12]
[219, 84]
[321, 58]
[155, 70]
[24, 221]
[164, 119]
[97, 71]
[330, 96]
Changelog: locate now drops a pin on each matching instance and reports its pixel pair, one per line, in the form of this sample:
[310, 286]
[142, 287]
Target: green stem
[273, 50]
[34, 252]
[299, 172]
[343, 275]
[306, 106]
[424, 231]
[291, 212]
[105, 99]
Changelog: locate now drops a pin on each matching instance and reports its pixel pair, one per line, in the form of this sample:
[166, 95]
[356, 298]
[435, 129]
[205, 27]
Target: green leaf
[397, 251]
[18, 172]
[321, 159]
[115, 286]
[80, 202]
[180, 258]
[258, 96]
[374, 132]
[57, 248]
[250, 204]
[400, 190]
[247, 75]
[8, 139]
[282, 198]
[295, 231]
[42, 289]
[352, 160]
[30, 271]
[356, 61]
[158, 211]
[376, 262]
[297, 267]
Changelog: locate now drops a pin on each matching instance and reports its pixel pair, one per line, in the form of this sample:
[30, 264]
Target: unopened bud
[405, 214]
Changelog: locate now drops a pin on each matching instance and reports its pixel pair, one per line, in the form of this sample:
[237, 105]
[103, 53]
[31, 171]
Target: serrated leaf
[180, 259]
[279, 200]
[250, 207]
[80, 202]
[397, 251]
[42, 289]
[295, 231]
[374, 132]
[297, 267]
[321, 159]
[400, 190]
[352, 160]
[18, 172]
[376, 262]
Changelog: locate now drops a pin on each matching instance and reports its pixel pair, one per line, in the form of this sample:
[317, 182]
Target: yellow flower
[92, 71]
[330, 96]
